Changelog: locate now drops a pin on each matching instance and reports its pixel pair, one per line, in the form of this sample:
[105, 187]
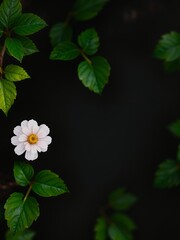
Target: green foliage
[174, 128]
[20, 211]
[48, 184]
[10, 10]
[116, 234]
[60, 32]
[85, 10]
[28, 23]
[167, 175]
[7, 95]
[65, 51]
[100, 229]
[123, 221]
[14, 26]
[120, 200]
[15, 48]
[168, 47]
[112, 223]
[94, 74]
[172, 66]
[25, 235]
[89, 41]
[23, 173]
[29, 46]
[168, 50]
[15, 73]
[168, 172]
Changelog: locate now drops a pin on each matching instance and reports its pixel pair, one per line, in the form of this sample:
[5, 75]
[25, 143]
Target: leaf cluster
[94, 71]
[168, 172]
[15, 29]
[113, 223]
[22, 209]
[168, 50]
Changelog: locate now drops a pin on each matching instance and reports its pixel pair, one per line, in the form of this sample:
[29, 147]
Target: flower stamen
[32, 139]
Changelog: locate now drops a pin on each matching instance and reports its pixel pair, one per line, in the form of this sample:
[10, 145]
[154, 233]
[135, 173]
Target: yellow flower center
[32, 139]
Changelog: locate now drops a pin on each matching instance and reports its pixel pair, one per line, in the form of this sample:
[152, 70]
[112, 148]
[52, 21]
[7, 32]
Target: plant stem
[28, 191]
[85, 57]
[2, 58]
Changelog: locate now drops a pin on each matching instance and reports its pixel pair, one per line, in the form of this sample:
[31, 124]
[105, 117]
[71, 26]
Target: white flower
[31, 139]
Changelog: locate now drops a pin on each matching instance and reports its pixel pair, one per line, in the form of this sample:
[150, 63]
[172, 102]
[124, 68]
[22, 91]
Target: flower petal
[17, 130]
[14, 140]
[24, 126]
[31, 155]
[43, 145]
[33, 126]
[23, 138]
[43, 131]
[37, 148]
[33, 148]
[27, 146]
[47, 139]
[19, 149]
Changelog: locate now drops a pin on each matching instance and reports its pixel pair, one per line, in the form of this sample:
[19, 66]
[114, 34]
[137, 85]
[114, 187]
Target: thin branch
[85, 57]
[2, 58]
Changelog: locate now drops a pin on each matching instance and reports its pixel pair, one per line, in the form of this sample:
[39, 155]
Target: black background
[103, 142]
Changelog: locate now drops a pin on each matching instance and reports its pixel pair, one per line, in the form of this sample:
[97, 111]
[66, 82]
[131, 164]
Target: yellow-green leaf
[7, 95]
[15, 73]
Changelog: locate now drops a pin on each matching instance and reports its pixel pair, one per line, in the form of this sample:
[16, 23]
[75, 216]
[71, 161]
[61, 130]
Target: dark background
[103, 142]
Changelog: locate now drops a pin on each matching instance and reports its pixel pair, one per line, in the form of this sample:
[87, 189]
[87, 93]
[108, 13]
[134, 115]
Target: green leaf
[100, 229]
[168, 47]
[60, 32]
[172, 66]
[10, 10]
[15, 73]
[116, 234]
[94, 75]
[23, 173]
[167, 175]
[89, 41]
[48, 184]
[28, 23]
[29, 46]
[85, 10]
[15, 48]
[25, 235]
[20, 212]
[123, 221]
[121, 200]
[7, 95]
[65, 51]
[174, 128]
